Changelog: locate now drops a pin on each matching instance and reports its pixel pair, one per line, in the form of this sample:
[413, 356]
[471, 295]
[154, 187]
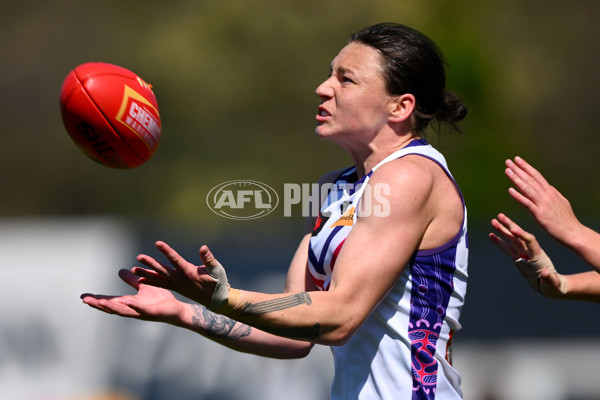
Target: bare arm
[374, 255]
[245, 338]
[533, 263]
[156, 303]
[583, 286]
[239, 336]
[537, 268]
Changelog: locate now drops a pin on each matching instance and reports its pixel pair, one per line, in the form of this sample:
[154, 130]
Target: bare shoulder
[419, 190]
[415, 175]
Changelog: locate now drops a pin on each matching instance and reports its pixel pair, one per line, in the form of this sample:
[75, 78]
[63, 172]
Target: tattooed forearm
[278, 304]
[218, 326]
[282, 303]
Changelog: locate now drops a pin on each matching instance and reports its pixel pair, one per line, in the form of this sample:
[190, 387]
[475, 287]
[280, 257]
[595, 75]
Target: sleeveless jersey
[402, 350]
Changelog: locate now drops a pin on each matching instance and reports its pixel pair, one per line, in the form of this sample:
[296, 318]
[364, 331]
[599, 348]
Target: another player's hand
[198, 283]
[547, 205]
[150, 303]
[531, 260]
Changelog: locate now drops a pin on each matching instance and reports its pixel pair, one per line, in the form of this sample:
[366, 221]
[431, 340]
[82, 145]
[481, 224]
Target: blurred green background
[235, 84]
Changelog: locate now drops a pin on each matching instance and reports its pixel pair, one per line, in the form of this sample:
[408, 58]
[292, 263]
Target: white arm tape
[221, 293]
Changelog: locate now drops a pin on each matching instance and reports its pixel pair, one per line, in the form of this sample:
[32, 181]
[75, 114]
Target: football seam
[102, 113]
[67, 98]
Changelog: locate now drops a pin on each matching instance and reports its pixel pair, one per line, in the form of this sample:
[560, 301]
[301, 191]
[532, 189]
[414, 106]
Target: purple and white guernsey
[403, 350]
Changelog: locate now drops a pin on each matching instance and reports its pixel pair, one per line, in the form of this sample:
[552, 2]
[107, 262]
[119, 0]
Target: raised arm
[533, 263]
[537, 268]
[371, 260]
[552, 211]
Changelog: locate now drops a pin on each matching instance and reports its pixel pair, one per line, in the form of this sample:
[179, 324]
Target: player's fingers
[527, 242]
[158, 281]
[513, 236]
[148, 275]
[209, 260]
[522, 234]
[504, 246]
[118, 307]
[174, 258]
[94, 301]
[525, 200]
[130, 278]
[508, 223]
[523, 181]
[507, 227]
[531, 171]
[525, 188]
[500, 227]
[515, 230]
[515, 172]
[150, 262]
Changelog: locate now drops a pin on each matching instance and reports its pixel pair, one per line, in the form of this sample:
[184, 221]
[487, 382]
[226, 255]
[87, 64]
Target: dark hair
[413, 63]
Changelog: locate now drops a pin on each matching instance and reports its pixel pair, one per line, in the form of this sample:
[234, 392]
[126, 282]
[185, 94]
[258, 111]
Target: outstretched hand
[531, 260]
[547, 205]
[198, 283]
[150, 303]
[513, 240]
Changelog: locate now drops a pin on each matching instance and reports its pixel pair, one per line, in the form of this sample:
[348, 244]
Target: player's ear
[401, 107]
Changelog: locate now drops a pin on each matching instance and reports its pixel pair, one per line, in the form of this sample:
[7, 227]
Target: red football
[111, 114]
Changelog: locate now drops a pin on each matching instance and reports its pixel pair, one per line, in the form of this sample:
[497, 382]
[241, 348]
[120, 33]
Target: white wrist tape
[223, 295]
[532, 269]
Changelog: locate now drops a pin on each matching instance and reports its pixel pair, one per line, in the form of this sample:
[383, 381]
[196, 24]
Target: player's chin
[322, 131]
